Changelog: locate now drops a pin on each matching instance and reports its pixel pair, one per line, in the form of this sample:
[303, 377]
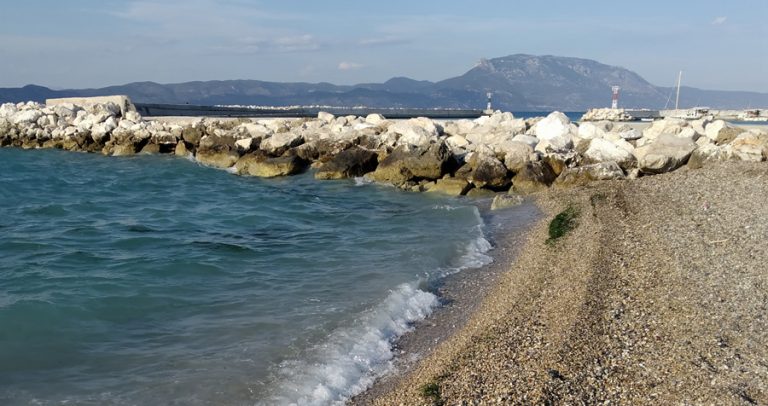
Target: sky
[84, 44]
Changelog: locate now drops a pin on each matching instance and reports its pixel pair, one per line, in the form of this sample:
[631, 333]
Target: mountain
[518, 83]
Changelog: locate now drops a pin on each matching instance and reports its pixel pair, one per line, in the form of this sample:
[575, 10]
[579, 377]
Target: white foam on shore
[476, 251]
[353, 357]
[362, 181]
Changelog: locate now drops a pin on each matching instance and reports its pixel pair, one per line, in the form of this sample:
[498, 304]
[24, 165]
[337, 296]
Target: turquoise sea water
[154, 280]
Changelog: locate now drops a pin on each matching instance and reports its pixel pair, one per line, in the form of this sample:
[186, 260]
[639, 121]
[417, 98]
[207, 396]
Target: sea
[153, 280]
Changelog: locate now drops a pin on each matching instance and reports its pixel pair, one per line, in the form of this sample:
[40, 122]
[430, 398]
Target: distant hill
[519, 83]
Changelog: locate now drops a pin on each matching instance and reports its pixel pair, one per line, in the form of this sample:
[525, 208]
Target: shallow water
[154, 280]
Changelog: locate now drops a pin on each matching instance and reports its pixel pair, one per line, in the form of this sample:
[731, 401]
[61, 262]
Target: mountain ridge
[519, 82]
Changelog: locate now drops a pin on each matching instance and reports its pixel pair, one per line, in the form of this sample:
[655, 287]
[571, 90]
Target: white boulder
[555, 125]
[27, 116]
[601, 150]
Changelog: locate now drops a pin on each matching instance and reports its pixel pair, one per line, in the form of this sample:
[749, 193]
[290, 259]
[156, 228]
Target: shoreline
[656, 297]
[460, 295]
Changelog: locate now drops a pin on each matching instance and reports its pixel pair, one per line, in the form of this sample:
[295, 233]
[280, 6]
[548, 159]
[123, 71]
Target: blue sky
[79, 43]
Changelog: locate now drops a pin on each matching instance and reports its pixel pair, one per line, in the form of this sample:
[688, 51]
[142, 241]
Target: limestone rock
[489, 172]
[503, 201]
[217, 159]
[555, 125]
[559, 144]
[181, 149]
[610, 114]
[721, 132]
[405, 164]
[417, 132]
[589, 130]
[666, 154]
[375, 119]
[708, 153]
[278, 143]
[751, 146]
[516, 155]
[451, 186]
[535, 176]
[192, 135]
[326, 117]
[581, 175]
[526, 139]
[27, 117]
[349, 163]
[601, 150]
[124, 150]
[246, 145]
[665, 126]
[257, 164]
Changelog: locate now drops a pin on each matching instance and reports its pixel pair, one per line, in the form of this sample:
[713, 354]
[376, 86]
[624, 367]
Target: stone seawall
[490, 154]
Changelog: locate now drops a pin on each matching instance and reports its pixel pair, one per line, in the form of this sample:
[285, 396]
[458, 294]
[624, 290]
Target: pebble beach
[657, 296]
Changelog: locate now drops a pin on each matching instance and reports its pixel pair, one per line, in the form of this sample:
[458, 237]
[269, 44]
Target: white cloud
[381, 41]
[719, 20]
[349, 65]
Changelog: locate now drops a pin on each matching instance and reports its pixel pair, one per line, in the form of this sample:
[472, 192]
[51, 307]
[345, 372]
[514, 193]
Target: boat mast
[677, 99]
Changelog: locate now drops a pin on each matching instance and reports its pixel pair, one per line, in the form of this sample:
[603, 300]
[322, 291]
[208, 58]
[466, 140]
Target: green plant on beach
[564, 222]
[431, 391]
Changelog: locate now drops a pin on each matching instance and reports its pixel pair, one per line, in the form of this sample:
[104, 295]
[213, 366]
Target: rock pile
[492, 153]
[607, 114]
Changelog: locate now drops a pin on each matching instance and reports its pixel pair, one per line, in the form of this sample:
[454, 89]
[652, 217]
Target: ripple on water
[154, 280]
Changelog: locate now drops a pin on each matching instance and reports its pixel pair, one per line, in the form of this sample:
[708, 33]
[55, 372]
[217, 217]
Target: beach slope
[657, 296]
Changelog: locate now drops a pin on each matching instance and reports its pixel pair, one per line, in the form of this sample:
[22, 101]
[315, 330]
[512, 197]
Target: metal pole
[677, 99]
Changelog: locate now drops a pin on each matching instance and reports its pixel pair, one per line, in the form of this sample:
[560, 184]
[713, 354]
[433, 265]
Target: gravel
[658, 296]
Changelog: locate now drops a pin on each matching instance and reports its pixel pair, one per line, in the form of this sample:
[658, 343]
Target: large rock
[349, 163]
[503, 201]
[561, 144]
[488, 172]
[516, 154]
[451, 186]
[751, 146]
[257, 164]
[405, 164]
[589, 130]
[581, 175]
[278, 143]
[217, 151]
[535, 176]
[665, 126]
[417, 132]
[526, 139]
[721, 132]
[666, 154]
[217, 159]
[246, 145]
[601, 150]
[27, 117]
[708, 153]
[193, 134]
[325, 117]
[555, 125]
[7, 110]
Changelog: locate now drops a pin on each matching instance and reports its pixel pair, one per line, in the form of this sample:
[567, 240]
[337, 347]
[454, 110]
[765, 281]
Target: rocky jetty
[609, 114]
[494, 153]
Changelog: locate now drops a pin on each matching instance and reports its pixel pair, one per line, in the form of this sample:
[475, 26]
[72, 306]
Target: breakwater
[696, 113]
[458, 157]
[186, 110]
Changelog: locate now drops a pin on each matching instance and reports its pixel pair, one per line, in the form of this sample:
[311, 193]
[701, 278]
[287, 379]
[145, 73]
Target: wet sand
[658, 296]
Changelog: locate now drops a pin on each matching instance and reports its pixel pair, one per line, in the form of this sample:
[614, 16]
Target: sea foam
[351, 359]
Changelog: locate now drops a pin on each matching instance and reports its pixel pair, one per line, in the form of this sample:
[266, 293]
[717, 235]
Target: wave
[352, 358]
